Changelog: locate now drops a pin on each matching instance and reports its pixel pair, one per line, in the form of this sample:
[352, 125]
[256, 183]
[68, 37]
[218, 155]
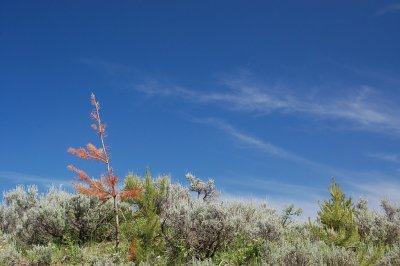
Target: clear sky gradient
[270, 98]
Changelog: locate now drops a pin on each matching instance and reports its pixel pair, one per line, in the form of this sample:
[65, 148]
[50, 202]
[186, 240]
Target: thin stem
[109, 173]
[117, 224]
[101, 133]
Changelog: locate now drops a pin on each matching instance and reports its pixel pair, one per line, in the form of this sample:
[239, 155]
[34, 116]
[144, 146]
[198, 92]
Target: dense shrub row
[176, 225]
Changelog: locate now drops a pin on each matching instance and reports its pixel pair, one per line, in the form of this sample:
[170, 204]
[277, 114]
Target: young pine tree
[146, 233]
[104, 188]
[338, 227]
[335, 219]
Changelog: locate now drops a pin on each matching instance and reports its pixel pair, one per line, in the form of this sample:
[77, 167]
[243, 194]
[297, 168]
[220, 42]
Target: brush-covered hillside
[175, 224]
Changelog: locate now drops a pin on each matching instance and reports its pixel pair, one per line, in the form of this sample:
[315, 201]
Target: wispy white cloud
[376, 191]
[285, 154]
[388, 9]
[252, 141]
[380, 189]
[361, 106]
[107, 67]
[287, 188]
[388, 157]
[23, 178]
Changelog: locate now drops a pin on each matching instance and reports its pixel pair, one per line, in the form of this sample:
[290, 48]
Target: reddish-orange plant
[105, 187]
[132, 251]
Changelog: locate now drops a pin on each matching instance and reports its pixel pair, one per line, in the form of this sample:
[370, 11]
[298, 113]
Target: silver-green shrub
[292, 250]
[195, 225]
[9, 255]
[199, 227]
[337, 256]
[292, 253]
[392, 226]
[254, 220]
[40, 255]
[39, 219]
[375, 227]
[106, 260]
[391, 257]
[206, 190]
[47, 220]
[15, 204]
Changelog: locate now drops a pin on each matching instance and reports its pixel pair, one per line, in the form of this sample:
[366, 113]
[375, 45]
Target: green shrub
[40, 255]
[242, 251]
[194, 227]
[335, 223]
[143, 227]
[391, 257]
[40, 219]
[73, 254]
[9, 255]
[337, 256]
[292, 252]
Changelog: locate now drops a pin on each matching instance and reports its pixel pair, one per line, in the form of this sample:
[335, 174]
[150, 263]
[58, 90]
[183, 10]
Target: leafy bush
[292, 253]
[242, 251]
[390, 258]
[40, 255]
[197, 227]
[376, 228]
[39, 219]
[9, 255]
[73, 253]
[15, 204]
[338, 256]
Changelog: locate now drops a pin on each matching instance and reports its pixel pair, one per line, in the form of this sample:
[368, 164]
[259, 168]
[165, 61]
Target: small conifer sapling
[104, 188]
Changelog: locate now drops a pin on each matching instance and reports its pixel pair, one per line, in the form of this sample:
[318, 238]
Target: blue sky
[269, 98]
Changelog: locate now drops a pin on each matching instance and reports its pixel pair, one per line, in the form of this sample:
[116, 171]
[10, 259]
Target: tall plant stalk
[105, 187]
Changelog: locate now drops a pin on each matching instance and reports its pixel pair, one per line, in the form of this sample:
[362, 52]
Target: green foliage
[337, 256]
[40, 255]
[288, 213]
[73, 252]
[9, 255]
[194, 227]
[335, 223]
[339, 223]
[292, 252]
[144, 227]
[390, 257]
[368, 254]
[242, 251]
[39, 219]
